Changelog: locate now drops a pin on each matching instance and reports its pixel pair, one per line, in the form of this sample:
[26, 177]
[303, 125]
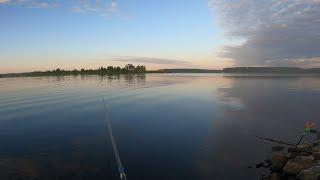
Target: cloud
[103, 8]
[132, 59]
[307, 63]
[31, 3]
[99, 7]
[4, 1]
[272, 31]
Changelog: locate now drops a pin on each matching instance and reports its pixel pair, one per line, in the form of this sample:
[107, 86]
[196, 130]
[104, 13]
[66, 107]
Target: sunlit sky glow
[43, 35]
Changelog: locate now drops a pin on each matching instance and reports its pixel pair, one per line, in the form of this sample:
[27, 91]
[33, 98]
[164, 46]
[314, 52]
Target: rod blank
[114, 145]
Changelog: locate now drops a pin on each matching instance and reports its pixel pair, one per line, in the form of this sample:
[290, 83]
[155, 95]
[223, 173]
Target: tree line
[129, 68]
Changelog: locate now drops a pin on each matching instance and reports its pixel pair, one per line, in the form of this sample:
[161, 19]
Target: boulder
[315, 149]
[296, 165]
[299, 148]
[316, 143]
[273, 176]
[292, 155]
[316, 155]
[291, 178]
[278, 161]
[312, 173]
[302, 147]
[304, 159]
[305, 153]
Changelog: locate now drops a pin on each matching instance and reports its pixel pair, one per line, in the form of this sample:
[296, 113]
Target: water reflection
[167, 126]
[257, 105]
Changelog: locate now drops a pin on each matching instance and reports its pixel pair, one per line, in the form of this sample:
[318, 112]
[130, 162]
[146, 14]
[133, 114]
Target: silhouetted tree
[110, 69]
[140, 69]
[118, 69]
[129, 68]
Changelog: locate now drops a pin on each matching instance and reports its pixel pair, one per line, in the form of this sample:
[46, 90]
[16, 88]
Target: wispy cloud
[105, 8]
[31, 3]
[150, 60]
[273, 31]
[98, 7]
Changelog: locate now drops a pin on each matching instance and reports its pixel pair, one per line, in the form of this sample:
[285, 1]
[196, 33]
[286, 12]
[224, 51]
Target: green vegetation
[131, 69]
[127, 69]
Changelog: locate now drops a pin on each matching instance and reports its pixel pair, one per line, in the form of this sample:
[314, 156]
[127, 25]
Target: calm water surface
[167, 126]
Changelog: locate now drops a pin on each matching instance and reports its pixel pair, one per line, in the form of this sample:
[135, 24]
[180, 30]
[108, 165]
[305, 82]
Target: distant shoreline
[130, 69]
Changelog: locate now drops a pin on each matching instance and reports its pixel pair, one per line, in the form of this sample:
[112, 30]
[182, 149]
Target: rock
[316, 143]
[278, 161]
[316, 155]
[300, 162]
[291, 149]
[265, 177]
[273, 176]
[304, 159]
[317, 163]
[293, 168]
[315, 148]
[292, 156]
[296, 165]
[299, 148]
[306, 153]
[291, 178]
[302, 147]
[312, 173]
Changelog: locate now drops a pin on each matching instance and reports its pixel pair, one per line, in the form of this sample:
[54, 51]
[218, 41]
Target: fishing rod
[274, 140]
[310, 129]
[114, 145]
[246, 131]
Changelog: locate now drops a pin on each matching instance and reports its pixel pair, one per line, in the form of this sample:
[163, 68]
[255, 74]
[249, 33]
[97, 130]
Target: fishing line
[114, 145]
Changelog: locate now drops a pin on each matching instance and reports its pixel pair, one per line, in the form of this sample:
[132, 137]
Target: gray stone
[278, 161]
[273, 176]
[265, 177]
[296, 165]
[304, 159]
[312, 173]
[302, 147]
[291, 178]
[292, 155]
[306, 153]
[316, 155]
[316, 149]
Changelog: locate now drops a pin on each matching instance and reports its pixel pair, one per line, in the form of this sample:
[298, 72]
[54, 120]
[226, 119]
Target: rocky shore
[299, 162]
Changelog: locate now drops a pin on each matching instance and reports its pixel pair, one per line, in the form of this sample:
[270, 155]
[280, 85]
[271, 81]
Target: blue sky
[34, 38]
[43, 34]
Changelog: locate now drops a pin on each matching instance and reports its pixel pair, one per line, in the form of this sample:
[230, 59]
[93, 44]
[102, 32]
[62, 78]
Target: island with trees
[131, 69]
[127, 69]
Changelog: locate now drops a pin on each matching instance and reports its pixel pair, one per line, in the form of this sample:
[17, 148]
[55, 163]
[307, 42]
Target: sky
[212, 34]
